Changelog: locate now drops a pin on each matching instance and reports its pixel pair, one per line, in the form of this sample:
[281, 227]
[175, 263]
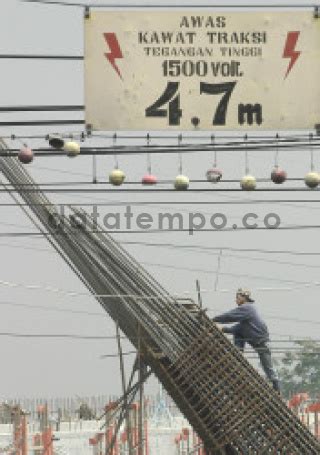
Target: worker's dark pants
[264, 353]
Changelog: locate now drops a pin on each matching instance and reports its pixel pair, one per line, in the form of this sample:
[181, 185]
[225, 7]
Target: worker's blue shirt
[250, 326]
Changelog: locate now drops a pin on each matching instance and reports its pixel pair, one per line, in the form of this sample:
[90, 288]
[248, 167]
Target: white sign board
[209, 70]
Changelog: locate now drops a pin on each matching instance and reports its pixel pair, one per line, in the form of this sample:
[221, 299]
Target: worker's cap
[245, 293]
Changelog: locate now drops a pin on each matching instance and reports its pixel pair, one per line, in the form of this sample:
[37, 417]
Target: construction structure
[229, 405]
[42, 441]
[20, 441]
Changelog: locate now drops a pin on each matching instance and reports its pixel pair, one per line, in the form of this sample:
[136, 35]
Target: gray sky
[44, 367]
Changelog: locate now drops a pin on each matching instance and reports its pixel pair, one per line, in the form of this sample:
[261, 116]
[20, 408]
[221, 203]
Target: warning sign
[185, 70]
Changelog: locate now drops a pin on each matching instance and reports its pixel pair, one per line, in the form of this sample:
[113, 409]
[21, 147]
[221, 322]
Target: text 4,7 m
[168, 105]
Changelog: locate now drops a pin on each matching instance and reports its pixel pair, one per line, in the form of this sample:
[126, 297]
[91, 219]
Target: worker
[251, 329]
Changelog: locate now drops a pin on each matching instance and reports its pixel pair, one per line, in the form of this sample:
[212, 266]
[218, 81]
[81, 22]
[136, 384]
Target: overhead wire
[112, 337]
[191, 269]
[41, 108]
[169, 204]
[163, 190]
[165, 231]
[243, 275]
[40, 57]
[230, 146]
[153, 136]
[55, 308]
[208, 249]
[225, 248]
[41, 123]
[174, 6]
[160, 182]
[108, 151]
[75, 293]
[228, 196]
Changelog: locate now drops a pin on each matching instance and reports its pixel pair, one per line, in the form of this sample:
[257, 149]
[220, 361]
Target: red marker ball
[149, 179]
[278, 175]
[25, 155]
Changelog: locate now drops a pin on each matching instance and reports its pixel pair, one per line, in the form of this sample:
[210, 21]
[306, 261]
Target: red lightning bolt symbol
[289, 50]
[115, 50]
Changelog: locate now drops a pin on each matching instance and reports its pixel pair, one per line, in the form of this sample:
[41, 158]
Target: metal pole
[124, 388]
[199, 294]
[218, 271]
[94, 169]
[141, 392]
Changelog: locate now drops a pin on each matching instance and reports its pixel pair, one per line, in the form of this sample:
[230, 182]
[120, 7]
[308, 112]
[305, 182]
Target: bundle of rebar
[231, 407]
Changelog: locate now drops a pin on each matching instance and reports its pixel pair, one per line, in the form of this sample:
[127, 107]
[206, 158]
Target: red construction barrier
[20, 432]
[188, 441]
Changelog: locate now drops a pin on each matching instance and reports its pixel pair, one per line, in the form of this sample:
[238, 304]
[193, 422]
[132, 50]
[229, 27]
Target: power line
[161, 190]
[168, 181]
[102, 337]
[67, 134]
[25, 247]
[41, 57]
[41, 123]
[61, 171]
[275, 350]
[171, 6]
[224, 248]
[51, 309]
[207, 249]
[55, 3]
[108, 356]
[183, 141]
[280, 318]
[150, 203]
[102, 315]
[231, 146]
[301, 321]
[178, 202]
[255, 277]
[55, 336]
[48, 108]
[164, 231]
[69, 293]
[151, 136]
[273, 261]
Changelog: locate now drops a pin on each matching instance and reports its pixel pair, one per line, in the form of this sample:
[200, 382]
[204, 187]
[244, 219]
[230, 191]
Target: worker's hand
[220, 327]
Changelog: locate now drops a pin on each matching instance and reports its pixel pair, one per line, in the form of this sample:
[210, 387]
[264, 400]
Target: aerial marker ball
[248, 183]
[214, 175]
[25, 155]
[181, 182]
[312, 179]
[117, 177]
[72, 148]
[278, 175]
[149, 179]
